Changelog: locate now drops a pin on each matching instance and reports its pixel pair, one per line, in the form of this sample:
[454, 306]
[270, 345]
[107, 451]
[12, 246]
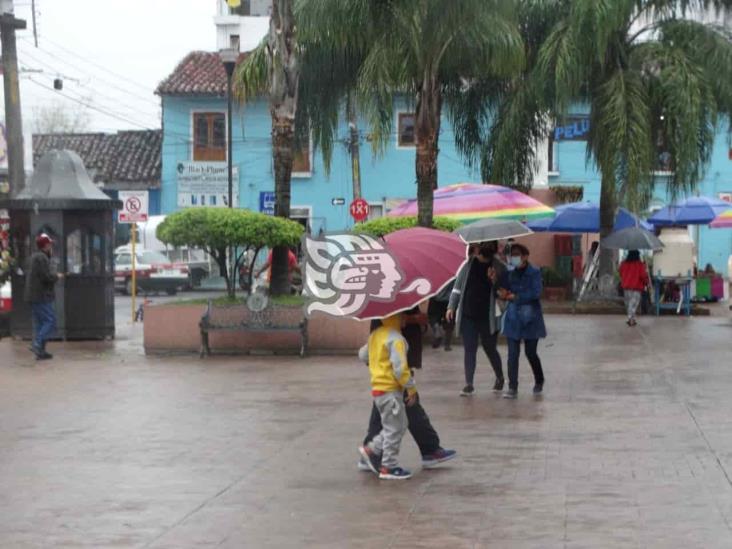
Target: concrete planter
[174, 328]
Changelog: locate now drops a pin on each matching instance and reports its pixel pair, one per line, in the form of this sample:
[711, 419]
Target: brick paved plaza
[630, 447]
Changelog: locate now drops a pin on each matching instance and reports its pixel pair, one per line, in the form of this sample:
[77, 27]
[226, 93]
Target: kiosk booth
[63, 202]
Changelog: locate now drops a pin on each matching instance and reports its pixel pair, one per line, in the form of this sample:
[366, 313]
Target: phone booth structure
[63, 202]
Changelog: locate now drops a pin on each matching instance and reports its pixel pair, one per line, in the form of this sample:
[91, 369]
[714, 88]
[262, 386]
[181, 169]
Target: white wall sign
[134, 206]
[206, 184]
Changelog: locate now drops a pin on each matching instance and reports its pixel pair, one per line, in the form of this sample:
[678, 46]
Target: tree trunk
[283, 139]
[221, 259]
[608, 207]
[284, 78]
[427, 131]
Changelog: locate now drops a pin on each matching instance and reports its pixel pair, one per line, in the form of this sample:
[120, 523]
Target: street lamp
[229, 56]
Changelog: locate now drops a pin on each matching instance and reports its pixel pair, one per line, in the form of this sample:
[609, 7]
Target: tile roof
[199, 73]
[119, 160]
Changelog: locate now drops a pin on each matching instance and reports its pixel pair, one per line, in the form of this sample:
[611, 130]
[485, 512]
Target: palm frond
[251, 77]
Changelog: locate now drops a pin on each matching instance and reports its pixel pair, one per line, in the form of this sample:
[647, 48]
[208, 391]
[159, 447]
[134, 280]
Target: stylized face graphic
[344, 272]
[373, 274]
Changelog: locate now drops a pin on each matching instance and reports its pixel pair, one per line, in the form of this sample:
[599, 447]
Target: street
[629, 447]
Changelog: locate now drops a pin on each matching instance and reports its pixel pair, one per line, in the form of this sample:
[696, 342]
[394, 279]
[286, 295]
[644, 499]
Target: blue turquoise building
[194, 160]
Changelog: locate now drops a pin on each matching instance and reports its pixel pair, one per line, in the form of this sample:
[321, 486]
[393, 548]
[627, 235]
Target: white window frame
[398, 133]
[309, 210]
[193, 133]
[381, 205]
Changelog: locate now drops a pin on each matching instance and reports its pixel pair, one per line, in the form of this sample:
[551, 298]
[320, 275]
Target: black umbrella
[632, 238]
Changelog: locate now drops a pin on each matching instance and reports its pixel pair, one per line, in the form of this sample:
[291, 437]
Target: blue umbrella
[697, 210]
[583, 217]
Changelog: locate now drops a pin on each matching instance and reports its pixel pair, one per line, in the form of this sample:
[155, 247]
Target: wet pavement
[631, 446]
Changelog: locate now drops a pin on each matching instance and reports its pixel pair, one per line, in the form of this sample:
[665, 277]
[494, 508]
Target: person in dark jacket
[474, 308]
[420, 427]
[524, 318]
[40, 292]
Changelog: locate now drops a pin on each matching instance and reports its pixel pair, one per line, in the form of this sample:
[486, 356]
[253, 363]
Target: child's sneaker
[370, 458]
[395, 473]
[440, 456]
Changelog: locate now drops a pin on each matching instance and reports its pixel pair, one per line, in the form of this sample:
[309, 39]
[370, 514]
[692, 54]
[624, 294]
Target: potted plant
[556, 285]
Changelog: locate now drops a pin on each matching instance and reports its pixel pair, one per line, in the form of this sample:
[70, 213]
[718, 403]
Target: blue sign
[572, 129]
[267, 202]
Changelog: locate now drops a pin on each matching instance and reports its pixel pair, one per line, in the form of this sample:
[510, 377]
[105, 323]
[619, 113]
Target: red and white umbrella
[361, 277]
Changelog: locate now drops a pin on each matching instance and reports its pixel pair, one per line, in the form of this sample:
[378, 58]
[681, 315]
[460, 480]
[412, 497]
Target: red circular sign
[359, 209]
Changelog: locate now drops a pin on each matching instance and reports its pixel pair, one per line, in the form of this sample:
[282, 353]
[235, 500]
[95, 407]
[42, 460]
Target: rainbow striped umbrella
[468, 202]
[722, 221]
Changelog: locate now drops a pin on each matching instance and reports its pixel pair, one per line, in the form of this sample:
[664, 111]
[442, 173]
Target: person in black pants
[474, 308]
[420, 426]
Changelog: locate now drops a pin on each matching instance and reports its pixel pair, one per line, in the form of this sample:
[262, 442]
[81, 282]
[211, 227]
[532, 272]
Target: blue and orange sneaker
[394, 473]
[371, 459]
[441, 455]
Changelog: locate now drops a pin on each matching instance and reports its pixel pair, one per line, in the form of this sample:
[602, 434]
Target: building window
[234, 41]
[302, 161]
[375, 211]
[209, 137]
[405, 131]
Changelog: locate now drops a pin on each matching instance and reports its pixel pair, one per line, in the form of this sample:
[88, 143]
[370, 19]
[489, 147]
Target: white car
[154, 272]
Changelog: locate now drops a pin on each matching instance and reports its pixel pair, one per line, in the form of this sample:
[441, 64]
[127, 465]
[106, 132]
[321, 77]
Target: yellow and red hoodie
[387, 359]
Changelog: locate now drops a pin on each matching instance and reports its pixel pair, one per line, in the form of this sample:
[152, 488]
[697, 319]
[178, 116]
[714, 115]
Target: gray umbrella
[488, 229]
[632, 238]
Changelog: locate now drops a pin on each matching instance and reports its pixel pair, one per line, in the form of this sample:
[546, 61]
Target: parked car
[154, 272]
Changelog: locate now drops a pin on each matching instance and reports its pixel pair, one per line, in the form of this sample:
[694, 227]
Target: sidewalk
[630, 447]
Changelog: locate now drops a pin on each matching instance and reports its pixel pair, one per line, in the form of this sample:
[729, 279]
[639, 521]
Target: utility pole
[13, 120]
[353, 147]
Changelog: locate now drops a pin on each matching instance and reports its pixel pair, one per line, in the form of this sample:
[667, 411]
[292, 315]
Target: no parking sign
[134, 206]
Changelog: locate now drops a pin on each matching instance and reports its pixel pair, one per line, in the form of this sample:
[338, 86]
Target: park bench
[257, 315]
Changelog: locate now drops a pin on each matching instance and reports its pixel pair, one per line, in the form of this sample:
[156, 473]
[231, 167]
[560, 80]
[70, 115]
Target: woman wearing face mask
[524, 319]
[473, 308]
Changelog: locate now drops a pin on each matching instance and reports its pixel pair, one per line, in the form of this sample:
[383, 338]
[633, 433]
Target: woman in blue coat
[524, 318]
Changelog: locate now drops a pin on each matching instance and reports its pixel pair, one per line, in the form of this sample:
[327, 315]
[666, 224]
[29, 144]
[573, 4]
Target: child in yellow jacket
[390, 377]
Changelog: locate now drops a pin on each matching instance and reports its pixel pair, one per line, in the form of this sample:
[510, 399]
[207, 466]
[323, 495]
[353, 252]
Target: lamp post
[229, 57]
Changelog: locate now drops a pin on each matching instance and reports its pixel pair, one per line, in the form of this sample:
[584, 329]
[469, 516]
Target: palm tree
[648, 71]
[274, 69]
[424, 49]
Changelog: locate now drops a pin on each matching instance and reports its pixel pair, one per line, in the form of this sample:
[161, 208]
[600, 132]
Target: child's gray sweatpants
[393, 426]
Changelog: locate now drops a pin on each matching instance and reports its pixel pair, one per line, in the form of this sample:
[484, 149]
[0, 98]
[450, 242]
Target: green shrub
[552, 278]
[215, 230]
[385, 225]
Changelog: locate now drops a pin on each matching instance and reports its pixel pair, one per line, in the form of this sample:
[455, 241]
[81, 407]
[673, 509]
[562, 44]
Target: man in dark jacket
[40, 292]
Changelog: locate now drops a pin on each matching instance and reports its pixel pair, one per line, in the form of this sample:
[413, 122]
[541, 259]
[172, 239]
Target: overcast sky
[110, 53]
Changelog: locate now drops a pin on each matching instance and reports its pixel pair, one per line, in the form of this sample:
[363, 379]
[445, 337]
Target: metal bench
[256, 315]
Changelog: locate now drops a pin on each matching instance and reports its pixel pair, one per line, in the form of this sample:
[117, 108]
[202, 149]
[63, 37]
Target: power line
[89, 77]
[92, 107]
[121, 77]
